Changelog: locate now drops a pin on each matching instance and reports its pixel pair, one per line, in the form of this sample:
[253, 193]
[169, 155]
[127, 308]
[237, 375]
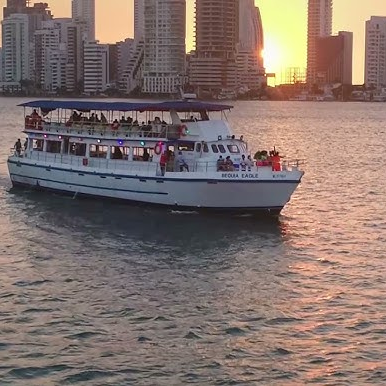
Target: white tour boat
[171, 153]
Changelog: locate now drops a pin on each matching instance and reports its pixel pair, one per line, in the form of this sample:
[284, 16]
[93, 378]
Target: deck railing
[146, 167]
[91, 129]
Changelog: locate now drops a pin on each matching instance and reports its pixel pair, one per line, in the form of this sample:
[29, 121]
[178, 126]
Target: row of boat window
[101, 151]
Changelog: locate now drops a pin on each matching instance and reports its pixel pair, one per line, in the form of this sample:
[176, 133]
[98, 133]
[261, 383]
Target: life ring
[182, 130]
[115, 126]
[158, 149]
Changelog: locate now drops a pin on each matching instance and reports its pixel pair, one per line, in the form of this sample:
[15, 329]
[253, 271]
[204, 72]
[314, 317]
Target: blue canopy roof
[179, 106]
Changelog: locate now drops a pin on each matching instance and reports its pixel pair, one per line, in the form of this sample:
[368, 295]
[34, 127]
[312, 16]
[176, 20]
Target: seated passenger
[220, 164]
[243, 164]
[229, 164]
[146, 155]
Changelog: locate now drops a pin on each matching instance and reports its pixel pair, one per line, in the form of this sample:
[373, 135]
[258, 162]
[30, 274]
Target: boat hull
[176, 190]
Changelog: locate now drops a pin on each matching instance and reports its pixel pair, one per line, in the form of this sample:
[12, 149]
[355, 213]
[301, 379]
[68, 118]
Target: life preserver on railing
[85, 162]
[158, 149]
[182, 130]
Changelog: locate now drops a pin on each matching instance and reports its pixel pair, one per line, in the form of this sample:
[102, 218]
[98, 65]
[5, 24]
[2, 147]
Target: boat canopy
[179, 106]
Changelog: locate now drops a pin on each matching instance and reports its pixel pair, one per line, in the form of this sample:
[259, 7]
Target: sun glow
[273, 55]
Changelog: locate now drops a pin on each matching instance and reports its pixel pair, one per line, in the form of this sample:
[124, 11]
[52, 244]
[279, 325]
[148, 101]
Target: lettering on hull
[240, 175]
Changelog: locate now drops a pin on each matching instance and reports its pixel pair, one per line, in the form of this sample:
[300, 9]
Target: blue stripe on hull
[256, 211]
[88, 186]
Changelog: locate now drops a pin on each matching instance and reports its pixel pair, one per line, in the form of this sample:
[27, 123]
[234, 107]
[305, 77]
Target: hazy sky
[284, 22]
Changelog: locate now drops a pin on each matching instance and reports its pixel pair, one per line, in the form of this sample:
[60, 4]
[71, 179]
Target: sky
[284, 23]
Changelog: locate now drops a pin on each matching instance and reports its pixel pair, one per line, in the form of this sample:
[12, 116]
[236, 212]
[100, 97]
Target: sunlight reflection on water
[96, 293]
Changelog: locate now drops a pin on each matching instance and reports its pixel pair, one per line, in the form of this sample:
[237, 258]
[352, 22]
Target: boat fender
[158, 149]
[182, 130]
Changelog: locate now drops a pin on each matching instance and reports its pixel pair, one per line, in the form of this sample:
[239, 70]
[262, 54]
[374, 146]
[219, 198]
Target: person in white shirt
[181, 162]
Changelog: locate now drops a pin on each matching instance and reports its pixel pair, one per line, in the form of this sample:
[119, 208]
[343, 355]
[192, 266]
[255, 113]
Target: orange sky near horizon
[284, 23]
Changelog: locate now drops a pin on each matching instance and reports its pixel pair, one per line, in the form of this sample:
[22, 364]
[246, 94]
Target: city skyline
[282, 49]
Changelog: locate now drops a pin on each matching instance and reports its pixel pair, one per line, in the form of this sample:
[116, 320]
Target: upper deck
[158, 121]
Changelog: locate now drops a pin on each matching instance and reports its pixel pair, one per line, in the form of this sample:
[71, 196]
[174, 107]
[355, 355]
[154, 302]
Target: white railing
[89, 129]
[147, 167]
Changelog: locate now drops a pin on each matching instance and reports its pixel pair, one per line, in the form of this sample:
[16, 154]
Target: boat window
[78, 149]
[222, 149]
[186, 146]
[37, 144]
[214, 149]
[198, 147]
[206, 149]
[53, 146]
[234, 149]
[119, 152]
[142, 153]
[98, 151]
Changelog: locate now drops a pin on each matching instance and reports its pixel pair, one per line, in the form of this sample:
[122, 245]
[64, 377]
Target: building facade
[213, 66]
[16, 48]
[319, 25]
[375, 53]
[84, 10]
[250, 65]
[164, 51]
[334, 58]
[139, 20]
[96, 67]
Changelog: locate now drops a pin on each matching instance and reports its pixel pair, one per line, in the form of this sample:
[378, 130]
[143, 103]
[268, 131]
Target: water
[103, 294]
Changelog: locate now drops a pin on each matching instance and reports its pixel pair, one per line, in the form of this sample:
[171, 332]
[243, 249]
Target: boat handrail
[169, 131]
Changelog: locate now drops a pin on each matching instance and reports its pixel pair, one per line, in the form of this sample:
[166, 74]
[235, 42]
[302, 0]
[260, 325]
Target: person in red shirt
[163, 161]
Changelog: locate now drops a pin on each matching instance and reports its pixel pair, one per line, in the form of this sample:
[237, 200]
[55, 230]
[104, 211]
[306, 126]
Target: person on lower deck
[163, 161]
[18, 147]
[181, 162]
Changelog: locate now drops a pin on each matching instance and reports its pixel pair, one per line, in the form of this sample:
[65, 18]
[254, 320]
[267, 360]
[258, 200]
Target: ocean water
[94, 293]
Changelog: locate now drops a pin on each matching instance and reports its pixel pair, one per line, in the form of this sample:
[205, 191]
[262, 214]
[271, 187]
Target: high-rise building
[46, 42]
[15, 43]
[164, 55]
[375, 54]
[213, 67]
[250, 67]
[96, 67]
[319, 25]
[139, 20]
[334, 58]
[84, 10]
[76, 36]
[38, 13]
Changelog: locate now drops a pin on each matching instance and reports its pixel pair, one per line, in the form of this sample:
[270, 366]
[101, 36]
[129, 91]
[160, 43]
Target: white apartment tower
[213, 67]
[375, 54]
[96, 67]
[164, 55]
[319, 25]
[84, 10]
[16, 48]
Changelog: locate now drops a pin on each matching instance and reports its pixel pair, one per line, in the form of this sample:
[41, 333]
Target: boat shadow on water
[108, 222]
